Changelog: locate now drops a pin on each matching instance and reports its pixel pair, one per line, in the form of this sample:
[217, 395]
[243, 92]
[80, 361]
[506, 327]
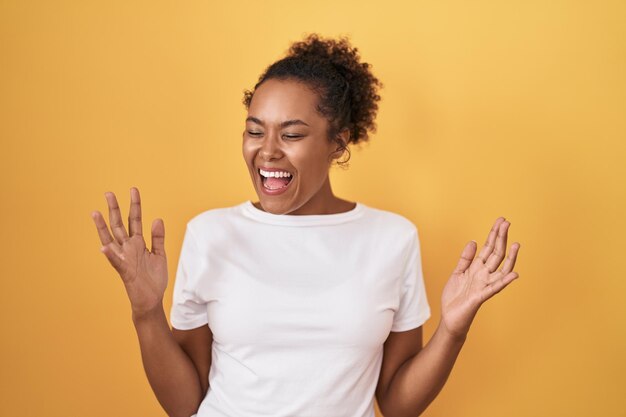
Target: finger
[496, 257]
[103, 230]
[509, 262]
[498, 285]
[115, 219]
[134, 215]
[467, 256]
[116, 259]
[490, 242]
[158, 237]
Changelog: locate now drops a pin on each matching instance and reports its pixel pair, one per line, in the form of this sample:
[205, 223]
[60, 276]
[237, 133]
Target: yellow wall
[489, 108]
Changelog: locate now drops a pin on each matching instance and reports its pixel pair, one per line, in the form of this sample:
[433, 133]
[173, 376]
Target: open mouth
[273, 183]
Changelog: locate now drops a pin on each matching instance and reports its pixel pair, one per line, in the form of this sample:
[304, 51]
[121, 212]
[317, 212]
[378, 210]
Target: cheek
[248, 150]
[310, 166]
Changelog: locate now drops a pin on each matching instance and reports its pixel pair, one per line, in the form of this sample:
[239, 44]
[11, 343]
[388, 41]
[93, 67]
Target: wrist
[155, 314]
[451, 337]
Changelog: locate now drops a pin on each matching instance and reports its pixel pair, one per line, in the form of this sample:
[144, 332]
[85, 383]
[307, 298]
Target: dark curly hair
[347, 89]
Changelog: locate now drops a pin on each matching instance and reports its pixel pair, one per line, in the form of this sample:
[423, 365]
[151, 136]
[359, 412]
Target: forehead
[277, 100]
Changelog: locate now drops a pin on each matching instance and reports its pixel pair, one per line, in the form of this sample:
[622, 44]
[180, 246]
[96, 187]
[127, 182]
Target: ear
[342, 137]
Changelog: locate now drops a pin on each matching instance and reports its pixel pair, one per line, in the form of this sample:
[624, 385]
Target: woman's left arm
[419, 379]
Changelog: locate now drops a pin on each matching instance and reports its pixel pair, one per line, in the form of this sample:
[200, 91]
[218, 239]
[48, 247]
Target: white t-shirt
[299, 306]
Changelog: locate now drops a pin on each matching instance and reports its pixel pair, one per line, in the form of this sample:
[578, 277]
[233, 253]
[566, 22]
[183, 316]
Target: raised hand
[143, 272]
[475, 280]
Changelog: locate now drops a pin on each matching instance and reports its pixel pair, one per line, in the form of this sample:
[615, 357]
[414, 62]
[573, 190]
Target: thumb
[158, 237]
[467, 256]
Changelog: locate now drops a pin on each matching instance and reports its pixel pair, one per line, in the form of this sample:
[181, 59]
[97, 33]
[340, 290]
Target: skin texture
[397, 349]
[196, 343]
[302, 149]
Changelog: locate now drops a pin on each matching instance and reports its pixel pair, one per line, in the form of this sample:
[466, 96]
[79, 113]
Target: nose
[270, 148]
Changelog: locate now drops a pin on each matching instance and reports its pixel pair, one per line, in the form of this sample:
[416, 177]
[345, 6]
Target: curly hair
[347, 90]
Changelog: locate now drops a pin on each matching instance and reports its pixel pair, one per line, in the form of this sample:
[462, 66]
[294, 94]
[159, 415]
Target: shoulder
[391, 229]
[390, 221]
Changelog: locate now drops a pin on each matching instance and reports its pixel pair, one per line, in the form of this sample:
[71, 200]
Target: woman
[302, 303]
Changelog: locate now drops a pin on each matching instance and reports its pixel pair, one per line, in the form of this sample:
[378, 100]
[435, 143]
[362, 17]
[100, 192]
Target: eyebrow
[283, 124]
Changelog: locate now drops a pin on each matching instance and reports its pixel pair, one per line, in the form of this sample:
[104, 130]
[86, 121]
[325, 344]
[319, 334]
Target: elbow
[388, 410]
[188, 411]
[183, 414]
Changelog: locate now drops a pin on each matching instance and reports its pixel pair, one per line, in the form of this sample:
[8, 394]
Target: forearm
[170, 371]
[418, 381]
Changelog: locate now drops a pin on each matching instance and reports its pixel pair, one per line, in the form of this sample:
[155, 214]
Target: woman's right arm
[175, 374]
[171, 371]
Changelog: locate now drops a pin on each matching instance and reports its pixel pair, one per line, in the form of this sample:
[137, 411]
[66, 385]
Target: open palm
[475, 280]
[143, 272]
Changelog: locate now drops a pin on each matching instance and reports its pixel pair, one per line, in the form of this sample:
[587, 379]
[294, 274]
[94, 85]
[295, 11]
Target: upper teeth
[278, 174]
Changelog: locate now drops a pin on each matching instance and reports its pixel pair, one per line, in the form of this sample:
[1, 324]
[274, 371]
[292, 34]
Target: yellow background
[489, 108]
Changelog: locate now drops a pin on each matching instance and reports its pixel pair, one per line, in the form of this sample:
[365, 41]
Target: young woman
[302, 303]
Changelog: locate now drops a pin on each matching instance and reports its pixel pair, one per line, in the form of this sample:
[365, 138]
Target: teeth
[277, 174]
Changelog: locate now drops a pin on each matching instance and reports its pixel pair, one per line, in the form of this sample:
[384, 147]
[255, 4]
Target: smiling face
[285, 132]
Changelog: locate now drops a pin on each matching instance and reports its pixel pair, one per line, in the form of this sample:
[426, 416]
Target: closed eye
[258, 134]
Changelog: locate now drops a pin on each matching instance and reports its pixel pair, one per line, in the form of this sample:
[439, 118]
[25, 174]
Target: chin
[274, 206]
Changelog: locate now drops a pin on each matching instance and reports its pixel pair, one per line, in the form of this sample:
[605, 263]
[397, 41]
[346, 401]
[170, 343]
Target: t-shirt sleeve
[413, 309]
[188, 310]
